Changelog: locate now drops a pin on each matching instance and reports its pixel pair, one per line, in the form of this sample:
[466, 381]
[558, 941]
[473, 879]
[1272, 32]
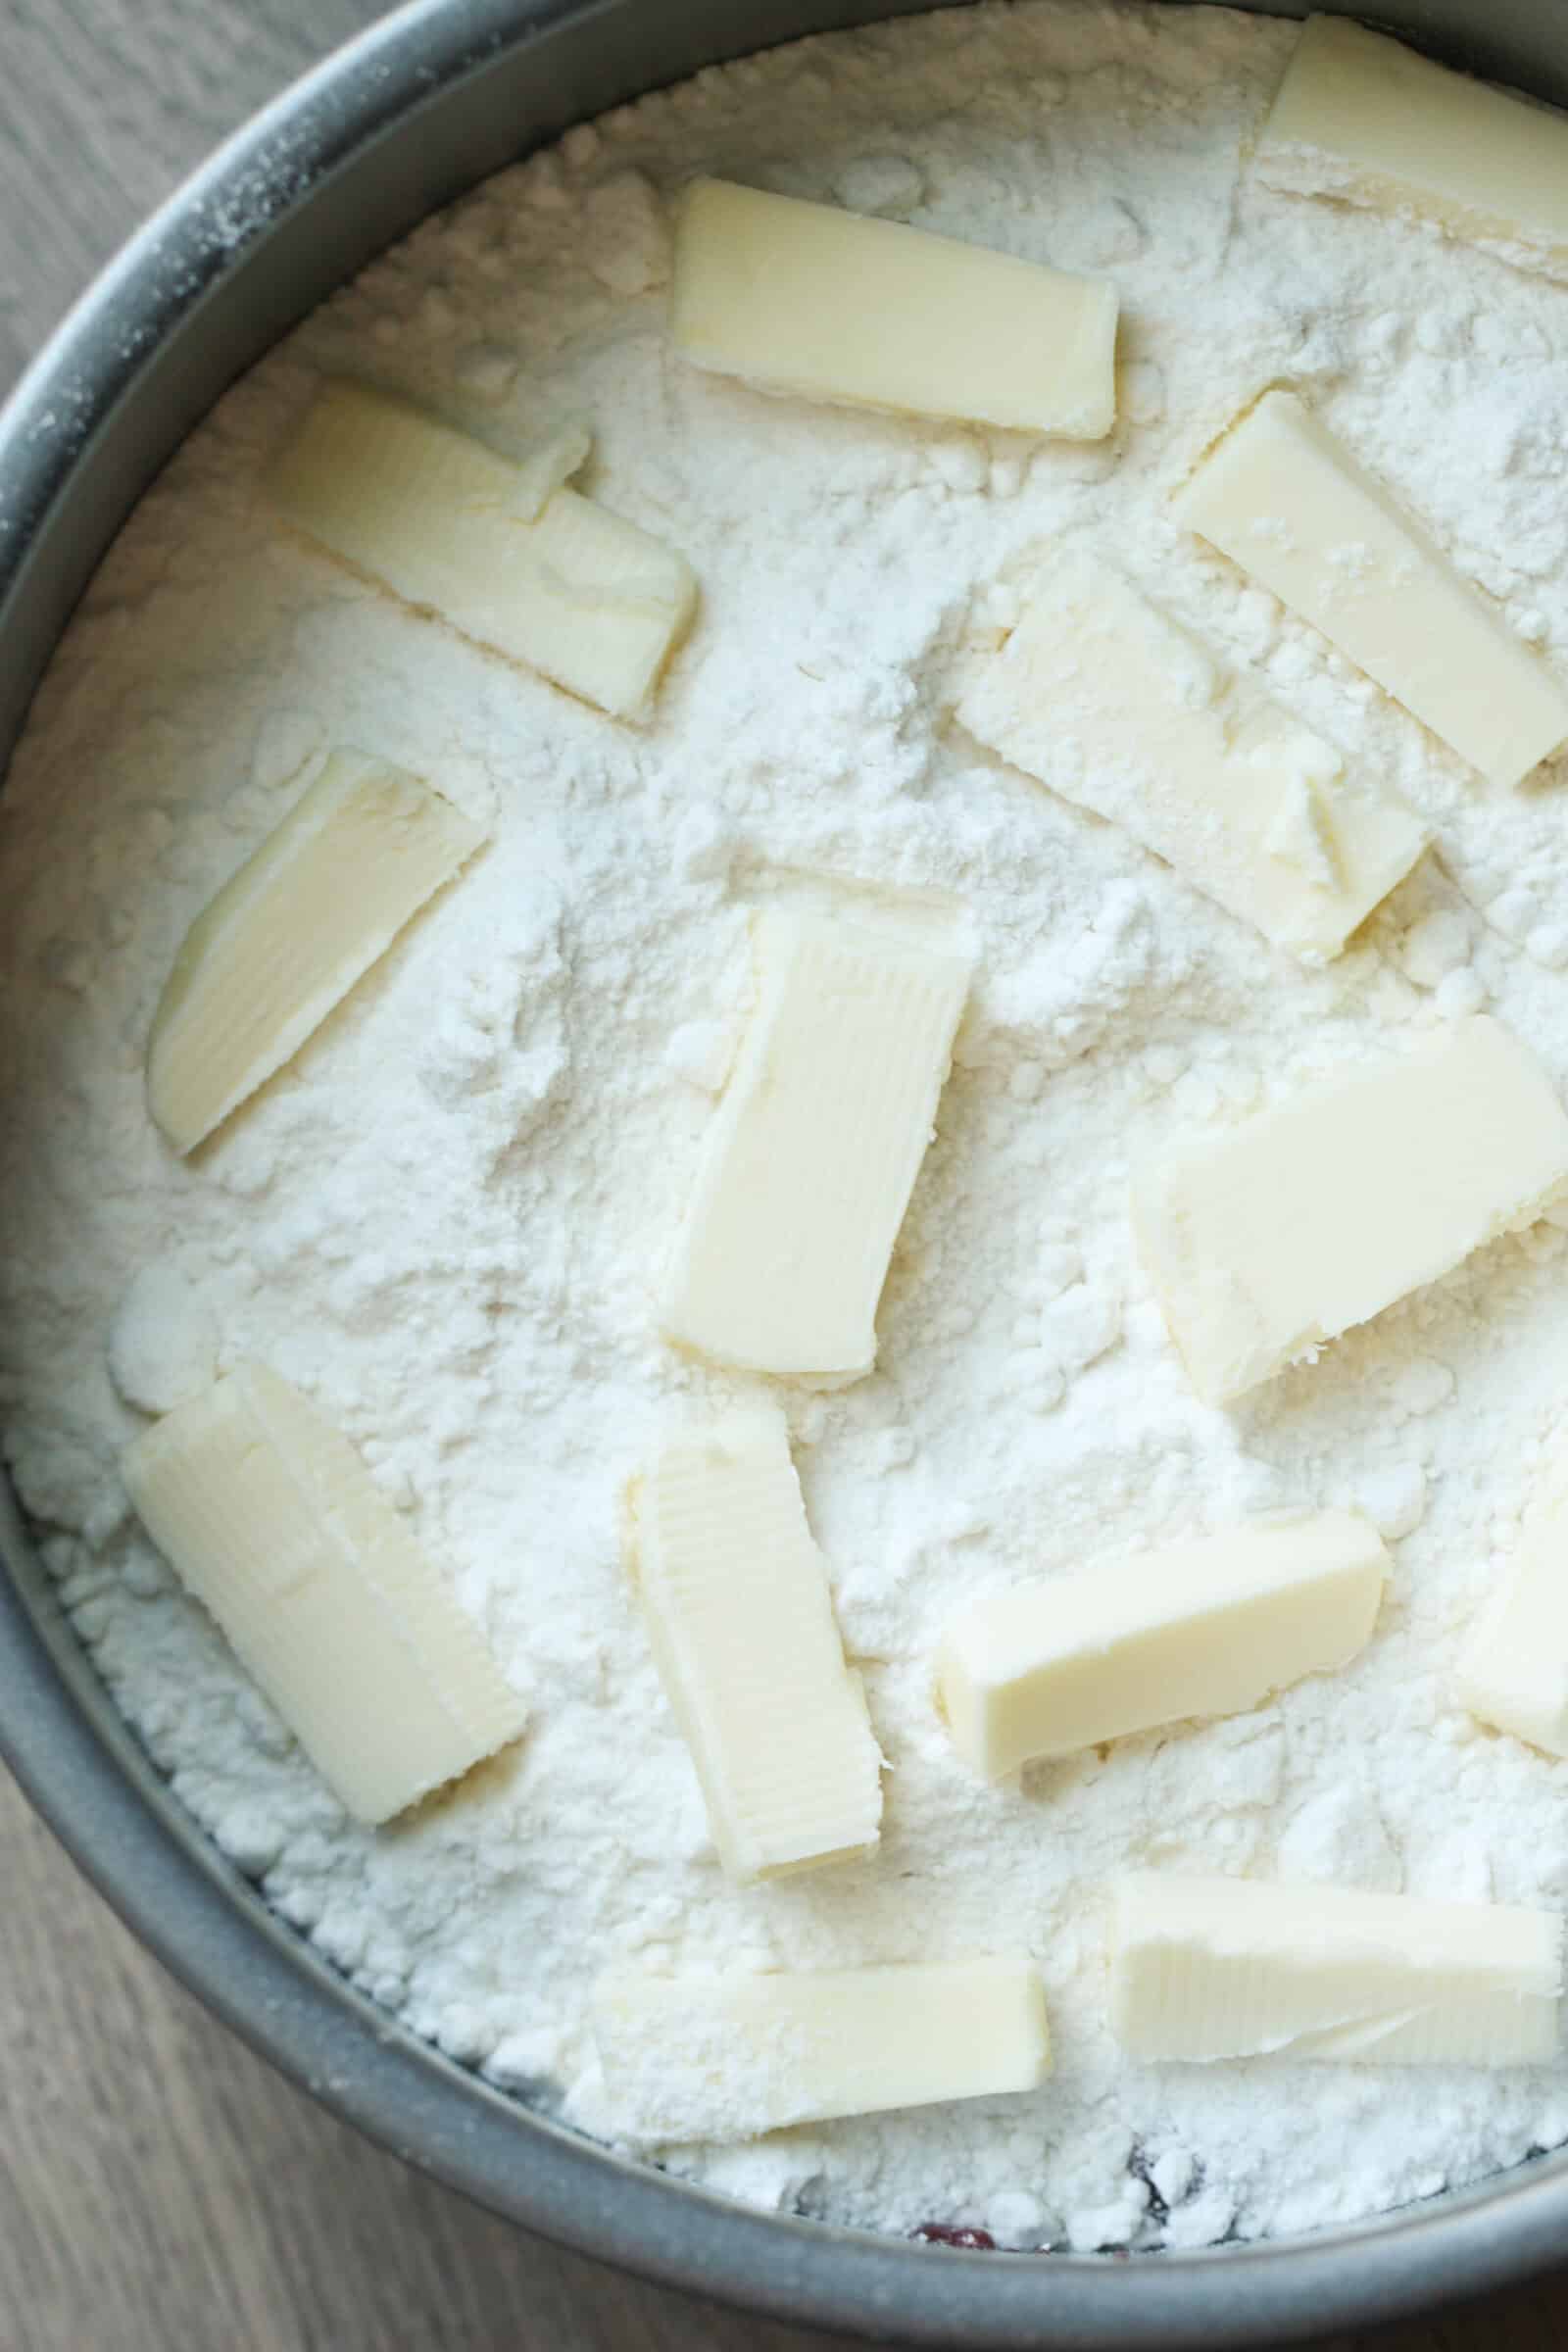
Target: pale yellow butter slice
[1513, 1672]
[1282, 498]
[1101, 696]
[738, 1606]
[728, 2057]
[274, 1524]
[290, 933]
[1202, 1627]
[802, 298]
[501, 549]
[814, 1148]
[1207, 1968]
[1361, 117]
[1269, 1238]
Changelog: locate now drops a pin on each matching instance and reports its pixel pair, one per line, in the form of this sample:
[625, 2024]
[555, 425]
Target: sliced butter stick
[727, 2057]
[288, 937]
[502, 551]
[1114, 706]
[802, 298]
[1269, 1238]
[1282, 498]
[814, 1148]
[1363, 119]
[1204, 1628]
[742, 1623]
[275, 1525]
[1514, 1673]
[1205, 1968]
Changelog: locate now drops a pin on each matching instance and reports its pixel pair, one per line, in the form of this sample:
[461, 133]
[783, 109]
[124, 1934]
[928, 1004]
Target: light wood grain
[161, 2190]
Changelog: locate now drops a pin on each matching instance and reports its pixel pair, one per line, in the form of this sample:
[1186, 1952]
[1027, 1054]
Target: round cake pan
[405, 119]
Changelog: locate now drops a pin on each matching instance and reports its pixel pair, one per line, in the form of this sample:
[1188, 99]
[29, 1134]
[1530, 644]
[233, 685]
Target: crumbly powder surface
[446, 1218]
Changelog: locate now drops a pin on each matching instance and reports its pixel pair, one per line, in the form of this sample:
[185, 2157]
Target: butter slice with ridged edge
[1265, 1239]
[504, 551]
[729, 2057]
[803, 298]
[814, 1147]
[1209, 1968]
[272, 1521]
[290, 933]
[1202, 1627]
[737, 1604]
[1284, 498]
[1364, 120]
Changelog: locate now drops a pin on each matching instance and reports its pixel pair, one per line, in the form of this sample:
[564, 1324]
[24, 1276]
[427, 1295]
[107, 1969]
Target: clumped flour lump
[446, 1219]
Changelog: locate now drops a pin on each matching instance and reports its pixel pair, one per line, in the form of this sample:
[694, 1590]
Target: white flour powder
[447, 1218]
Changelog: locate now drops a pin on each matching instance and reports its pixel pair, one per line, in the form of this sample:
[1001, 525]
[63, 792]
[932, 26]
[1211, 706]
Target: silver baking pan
[442, 93]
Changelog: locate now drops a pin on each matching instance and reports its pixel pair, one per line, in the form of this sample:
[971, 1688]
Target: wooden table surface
[161, 2190]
